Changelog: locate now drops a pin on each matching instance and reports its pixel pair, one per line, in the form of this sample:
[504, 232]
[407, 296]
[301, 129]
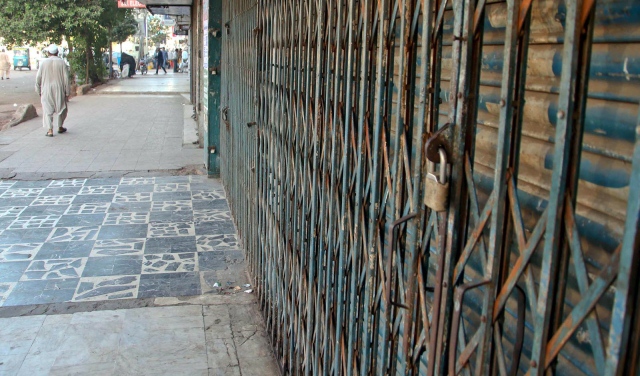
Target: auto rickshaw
[21, 58]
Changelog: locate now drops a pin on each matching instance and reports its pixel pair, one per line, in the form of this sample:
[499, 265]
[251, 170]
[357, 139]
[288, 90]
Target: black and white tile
[133, 197]
[126, 218]
[118, 247]
[54, 269]
[113, 238]
[208, 243]
[97, 208]
[167, 229]
[169, 263]
[38, 221]
[19, 252]
[107, 288]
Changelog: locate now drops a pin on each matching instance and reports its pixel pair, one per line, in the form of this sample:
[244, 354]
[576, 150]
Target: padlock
[436, 188]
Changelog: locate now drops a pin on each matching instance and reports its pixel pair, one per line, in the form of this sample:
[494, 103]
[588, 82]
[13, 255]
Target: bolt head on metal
[483, 318]
[459, 95]
[534, 364]
[561, 114]
[502, 103]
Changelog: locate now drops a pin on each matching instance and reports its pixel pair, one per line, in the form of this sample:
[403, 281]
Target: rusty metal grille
[326, 109]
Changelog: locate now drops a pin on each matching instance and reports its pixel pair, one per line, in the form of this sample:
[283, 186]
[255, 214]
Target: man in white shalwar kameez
[52, 84]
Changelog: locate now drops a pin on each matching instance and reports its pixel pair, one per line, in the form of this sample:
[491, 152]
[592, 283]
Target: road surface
[19, 89]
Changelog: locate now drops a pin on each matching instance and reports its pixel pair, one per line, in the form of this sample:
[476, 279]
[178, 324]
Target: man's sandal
[62, 130]
[49, 134]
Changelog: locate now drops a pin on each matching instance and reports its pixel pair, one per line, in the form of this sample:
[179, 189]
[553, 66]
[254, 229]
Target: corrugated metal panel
[327, 105]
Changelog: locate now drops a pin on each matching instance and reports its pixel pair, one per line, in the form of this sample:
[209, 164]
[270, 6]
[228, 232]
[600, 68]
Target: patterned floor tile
[208, 195]
[6, 184]
[172, 179]
[172, 196]
[76, 220]
[130, 207]
[95, 208]
[171, 205]
[220, 204]
[11, 210]
[123, 232]
[12, 271]
[169, 263]
[126, 218]
[208, 243]
[112, 265]
[60, 191]
[112, 238]
[5, 290]
[67, 183]
[54, 269]
[42, 292]
[93, 198]
[118, 247]
[171, 187]
[211, 215]
[32, 235]
[40, 221]
[174, 244]
[171, 216]
[107, 288]
[53, 200]
[44, 210]
[74, 234]
[169, 284]
[162, 229]
[138, 188]
[133, 197]
[211, 261]
[215, 228]
[21, 192]
[64, 250]
[137, 181]
[19, 252]
[97, 190]
[103, 181]
[32, 184]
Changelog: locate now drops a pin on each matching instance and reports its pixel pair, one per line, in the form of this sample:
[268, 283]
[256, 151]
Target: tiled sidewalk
[99, 239]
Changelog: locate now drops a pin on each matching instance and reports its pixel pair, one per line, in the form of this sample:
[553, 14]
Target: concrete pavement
[112, 131]
[121, 270]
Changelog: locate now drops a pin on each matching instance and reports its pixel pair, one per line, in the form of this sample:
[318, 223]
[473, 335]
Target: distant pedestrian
[165, 56]
[5, 64]
[52, 85]
[160, 59]
[173, 56]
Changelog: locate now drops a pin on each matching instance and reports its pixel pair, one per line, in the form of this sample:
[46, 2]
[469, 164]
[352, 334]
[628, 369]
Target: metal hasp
[425, 187]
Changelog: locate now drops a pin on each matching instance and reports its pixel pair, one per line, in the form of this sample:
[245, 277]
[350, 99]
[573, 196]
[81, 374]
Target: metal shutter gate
[326, 106]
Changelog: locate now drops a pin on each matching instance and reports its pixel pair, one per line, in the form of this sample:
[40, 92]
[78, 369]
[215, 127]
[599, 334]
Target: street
[19, 89]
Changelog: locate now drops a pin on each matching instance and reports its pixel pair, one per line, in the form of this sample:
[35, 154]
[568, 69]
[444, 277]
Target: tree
[88, 24]
[157, 30]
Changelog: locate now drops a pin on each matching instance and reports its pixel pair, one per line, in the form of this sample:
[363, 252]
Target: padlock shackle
[443, 166]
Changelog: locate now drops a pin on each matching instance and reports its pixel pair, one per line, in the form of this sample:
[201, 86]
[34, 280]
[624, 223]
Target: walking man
[52, 85]
[5, 64]
[160, 59]
[165, 56]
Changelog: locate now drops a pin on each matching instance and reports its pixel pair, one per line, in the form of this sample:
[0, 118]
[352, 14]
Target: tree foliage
[157, 30]
[89, 25]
